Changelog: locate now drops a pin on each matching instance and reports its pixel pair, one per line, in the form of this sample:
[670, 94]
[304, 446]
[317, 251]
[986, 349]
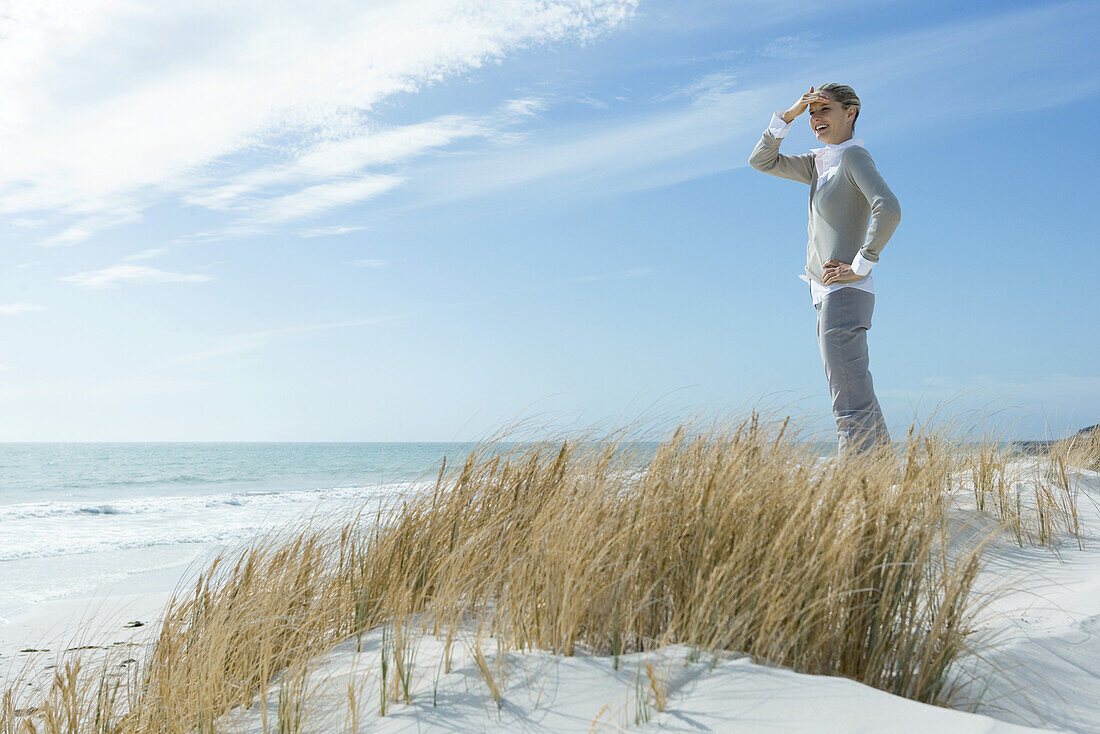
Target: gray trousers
[843, 318]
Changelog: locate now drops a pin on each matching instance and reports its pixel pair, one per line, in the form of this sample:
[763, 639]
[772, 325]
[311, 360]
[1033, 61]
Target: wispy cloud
[11, 309]
[117, 105]
[147, 254]
[528, 106]
[708, 135]
[314, 200]
[113, 276]
[339, 173]
[85, 227]
[607, 156]
[252, 341]
[336, 229]
[331, 160]
[708, 88]
[796, 46]
[590, 101]
[369, 263]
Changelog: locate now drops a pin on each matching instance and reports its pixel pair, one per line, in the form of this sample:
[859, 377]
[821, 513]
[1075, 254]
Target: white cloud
[11, 309]
[336, 229]
[147, 254]
[85, 227]
[527, 107]
[317, 199]
[116, 104]
[112, 276]
[369, 263]
[333, 159]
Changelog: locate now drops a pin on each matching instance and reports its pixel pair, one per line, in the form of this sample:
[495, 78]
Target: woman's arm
[860, 169]
[767, 158]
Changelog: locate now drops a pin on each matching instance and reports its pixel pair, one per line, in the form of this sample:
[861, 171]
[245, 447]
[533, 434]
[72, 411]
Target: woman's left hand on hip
[838, 272]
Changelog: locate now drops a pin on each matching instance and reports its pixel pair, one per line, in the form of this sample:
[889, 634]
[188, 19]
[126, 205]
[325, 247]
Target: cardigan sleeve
[767, 158]
[885, 209]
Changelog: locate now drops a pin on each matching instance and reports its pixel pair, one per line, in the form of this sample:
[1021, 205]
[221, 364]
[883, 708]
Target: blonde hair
[844, 95]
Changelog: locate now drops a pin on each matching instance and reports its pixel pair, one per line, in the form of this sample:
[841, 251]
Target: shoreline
[97, 629]
[38, 637]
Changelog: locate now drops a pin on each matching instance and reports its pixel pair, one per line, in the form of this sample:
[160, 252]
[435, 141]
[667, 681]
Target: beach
[1035, 636]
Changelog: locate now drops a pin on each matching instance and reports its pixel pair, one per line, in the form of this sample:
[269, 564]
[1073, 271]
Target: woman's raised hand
[803, 102]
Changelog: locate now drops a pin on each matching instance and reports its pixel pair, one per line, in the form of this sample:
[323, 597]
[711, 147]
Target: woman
[852, 215]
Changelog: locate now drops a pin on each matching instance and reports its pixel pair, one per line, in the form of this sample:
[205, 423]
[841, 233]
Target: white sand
[1040, 666]
[1041, 631]
[545, 693]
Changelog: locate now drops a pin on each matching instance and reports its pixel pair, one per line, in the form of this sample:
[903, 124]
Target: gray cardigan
[841, 210]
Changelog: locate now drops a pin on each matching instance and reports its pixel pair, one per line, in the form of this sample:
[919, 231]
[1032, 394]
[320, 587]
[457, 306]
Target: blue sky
[422, 219]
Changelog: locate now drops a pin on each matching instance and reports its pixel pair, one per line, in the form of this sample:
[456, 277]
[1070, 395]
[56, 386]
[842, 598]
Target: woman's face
[836, 120]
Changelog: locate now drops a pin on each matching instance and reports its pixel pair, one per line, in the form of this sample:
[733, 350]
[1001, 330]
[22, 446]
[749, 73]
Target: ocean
[78, 517]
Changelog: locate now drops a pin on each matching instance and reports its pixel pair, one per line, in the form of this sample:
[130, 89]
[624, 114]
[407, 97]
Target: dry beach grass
[730, 536]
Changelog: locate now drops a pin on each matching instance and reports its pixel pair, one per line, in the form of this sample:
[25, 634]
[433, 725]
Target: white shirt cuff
[861, 265]
[777, 127]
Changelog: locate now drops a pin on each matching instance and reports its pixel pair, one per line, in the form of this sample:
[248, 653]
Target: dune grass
[1081, 450]
[733, 537]
[1034, 507]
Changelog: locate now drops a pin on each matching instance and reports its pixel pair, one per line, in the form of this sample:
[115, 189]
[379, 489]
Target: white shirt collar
[827, 159]
[830, 150]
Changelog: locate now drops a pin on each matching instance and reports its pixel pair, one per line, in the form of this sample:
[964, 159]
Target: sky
[420, 220]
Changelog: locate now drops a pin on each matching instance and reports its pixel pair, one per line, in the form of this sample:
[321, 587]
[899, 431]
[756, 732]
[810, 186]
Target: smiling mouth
[820, 128]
